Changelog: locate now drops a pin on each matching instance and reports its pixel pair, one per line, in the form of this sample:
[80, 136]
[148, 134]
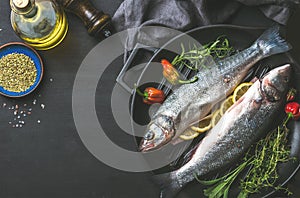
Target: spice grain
[17, 72]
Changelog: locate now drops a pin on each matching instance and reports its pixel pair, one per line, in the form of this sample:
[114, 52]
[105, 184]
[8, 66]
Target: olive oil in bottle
[40, 23]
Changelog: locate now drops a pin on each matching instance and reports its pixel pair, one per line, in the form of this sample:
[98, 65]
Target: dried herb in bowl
[17, 72]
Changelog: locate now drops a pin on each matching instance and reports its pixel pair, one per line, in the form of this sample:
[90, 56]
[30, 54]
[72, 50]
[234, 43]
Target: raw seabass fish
[243, 123]
[191, 102]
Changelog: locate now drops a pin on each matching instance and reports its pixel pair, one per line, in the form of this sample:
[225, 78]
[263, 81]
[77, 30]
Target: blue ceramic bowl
[17, 47]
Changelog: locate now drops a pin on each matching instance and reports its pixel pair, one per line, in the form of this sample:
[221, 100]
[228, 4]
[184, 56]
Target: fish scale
[191, 102]
[231, 144]
[242, 125]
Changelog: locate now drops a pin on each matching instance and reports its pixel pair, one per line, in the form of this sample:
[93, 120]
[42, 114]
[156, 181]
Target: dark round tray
[240, 38]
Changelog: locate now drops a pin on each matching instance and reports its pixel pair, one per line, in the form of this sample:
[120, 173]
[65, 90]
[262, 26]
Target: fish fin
[254, 79]
[177, 141]
[188, 156]
[270, 42]
[168, 184]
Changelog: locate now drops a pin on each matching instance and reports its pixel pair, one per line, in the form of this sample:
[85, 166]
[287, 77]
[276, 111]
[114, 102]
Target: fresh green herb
[269, 152]
[222, 185]
[262, 173]
[200, 56]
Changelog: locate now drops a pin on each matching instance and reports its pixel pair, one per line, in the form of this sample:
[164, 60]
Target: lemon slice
[240, 91]
[204, 124]
[226, 104]
[189, 134]
[215, 117]
[211, 120]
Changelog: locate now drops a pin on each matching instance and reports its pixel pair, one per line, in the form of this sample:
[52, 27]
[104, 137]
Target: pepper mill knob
[96, 21]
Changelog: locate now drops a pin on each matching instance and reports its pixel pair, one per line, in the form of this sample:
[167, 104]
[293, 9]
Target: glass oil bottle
[40, 23]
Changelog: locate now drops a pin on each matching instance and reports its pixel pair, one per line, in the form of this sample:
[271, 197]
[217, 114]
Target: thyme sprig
[263, 173]
[199, 56]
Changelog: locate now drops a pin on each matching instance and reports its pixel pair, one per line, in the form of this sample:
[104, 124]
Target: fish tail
[168, 183]
[270, 42]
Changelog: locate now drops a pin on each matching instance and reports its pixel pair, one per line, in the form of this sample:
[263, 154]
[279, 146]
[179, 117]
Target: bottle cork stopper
[21, 3]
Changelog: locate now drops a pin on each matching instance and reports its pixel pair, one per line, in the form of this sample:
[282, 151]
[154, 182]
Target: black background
[49, 159]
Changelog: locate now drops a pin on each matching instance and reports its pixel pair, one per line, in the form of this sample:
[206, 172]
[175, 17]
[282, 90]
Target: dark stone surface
[49, 159]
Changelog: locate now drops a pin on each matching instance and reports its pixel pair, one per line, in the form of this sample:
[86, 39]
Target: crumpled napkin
[184, 15]
[278, 10]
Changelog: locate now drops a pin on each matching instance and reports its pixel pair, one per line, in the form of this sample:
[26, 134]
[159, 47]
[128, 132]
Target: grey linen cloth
[184, 15]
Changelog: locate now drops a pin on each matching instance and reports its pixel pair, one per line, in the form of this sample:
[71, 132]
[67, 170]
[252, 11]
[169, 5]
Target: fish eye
[149, 136]
[285, 79]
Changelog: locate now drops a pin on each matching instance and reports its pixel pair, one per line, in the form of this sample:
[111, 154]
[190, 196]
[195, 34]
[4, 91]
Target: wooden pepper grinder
[96, 21]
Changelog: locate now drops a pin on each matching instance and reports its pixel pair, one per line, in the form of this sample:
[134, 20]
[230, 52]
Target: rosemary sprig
[222, 185]
[200, 56]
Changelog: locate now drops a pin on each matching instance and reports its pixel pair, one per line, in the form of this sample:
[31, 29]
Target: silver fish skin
[243, 123]
[264, 2]
[192, 102]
